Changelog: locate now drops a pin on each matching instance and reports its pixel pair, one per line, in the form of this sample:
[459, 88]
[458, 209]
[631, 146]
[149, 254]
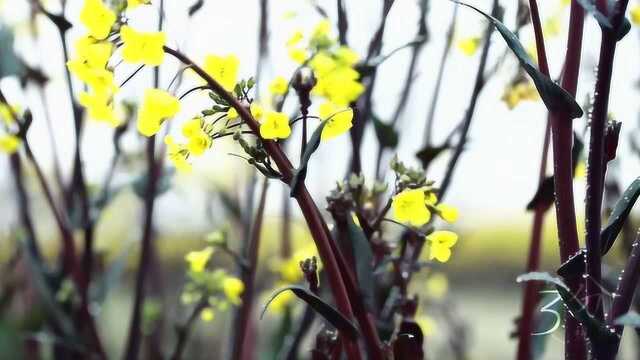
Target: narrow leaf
[333, 316]
[596, 331]
[619, 215]
[10, 64]
[193, 9]
[363, 255]
[541, 276]
[386, 134]
[554, 96]
[631, 318]
[312, 145]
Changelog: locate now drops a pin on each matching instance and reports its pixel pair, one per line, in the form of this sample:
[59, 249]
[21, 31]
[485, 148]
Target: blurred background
[496, 177]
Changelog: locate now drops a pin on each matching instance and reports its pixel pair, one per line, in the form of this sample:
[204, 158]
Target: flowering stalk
[561, 129]
[302, 196]
[596, 164]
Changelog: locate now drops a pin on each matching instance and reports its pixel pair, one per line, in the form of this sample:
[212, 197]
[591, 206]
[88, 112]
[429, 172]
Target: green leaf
[590, 7]
[624, 29]
[193, 9]
[312, 145]
[386, 134]
[429, 153]
[631, 318]
[541, 276]
[363, 255]
[333, 316]
[10, 64]
[596, 331]
[553, 95]
[619, 215]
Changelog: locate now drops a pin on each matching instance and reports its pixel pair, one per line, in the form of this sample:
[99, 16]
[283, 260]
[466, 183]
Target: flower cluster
[520, 89]
[214, 287]
[413, 204]
[9, 143]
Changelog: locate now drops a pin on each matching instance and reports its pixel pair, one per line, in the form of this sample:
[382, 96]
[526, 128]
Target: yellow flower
[198, 139]
[9, 143]
[156, 106]
[339, 85]
[581, 171]
[275, 126]
[441, 243]
[100, 80]
[469, 45]
[431, 199]
[322, 64]
[409, 207]
[347, 56]
[178, 155]
[320, 35]
[135, 3]
[223, 69]
[94, 53]
[100, 107]
[198, 259]
[256, 110]
[97, 18]
[551, 27]
[232, 113]
[279, 85]
[207, 314]
[635, 14]
[7, 112]
[142, 47]
[281, 302]
[426, 323]
[521, 91]
[447, 213]
[437, 285]
[338, 120]
[295, 38]
[290, 270]
[298, 55]
[233, 288]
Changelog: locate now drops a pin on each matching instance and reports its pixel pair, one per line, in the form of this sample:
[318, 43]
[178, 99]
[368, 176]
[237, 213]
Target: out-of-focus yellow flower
[322, 64]
[426, 323]
[552, 26]
[581, 170]
[233, 288]
[290, 270]
[295, 38]
[9, 144]
[223, 69]
[298, 55]
[198, 139]
[347, 56]
[409, 207]
[447, 212]
[256, 110]
[320, 37]
[469, 45]
[207, 315]
[100, 107]
[100, 80]
[131, 4]
[7, 111]
[521, 91]
[431, 199]
[281, 302]
[279, 85]
[232, 113]
[142, 47]
[178, 154]
[340, 86]
[437, 285]
[97, 18]
[94, 53]
[338, 120]
[198, 259]
[275, 126]
[157, 105]
[441, 243]
[635, 14]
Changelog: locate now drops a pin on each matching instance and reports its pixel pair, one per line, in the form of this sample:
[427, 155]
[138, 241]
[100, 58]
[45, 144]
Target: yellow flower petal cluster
[142, 47]
[6, 113]
[9, 143]
[337, 80]
[518, 92]
[233, 288]
[447, 212]
[440, 244]
[275, 126]
[157, 105]
[197, 139]
[279, 85]
[469, 45]
[198, 260]
[99, 107]
[635, 14]
[178, 154]
[207, 314]
[409, 206]
[131, 4]
[223, 69]
[338, 120]
[256, 110]
[98, 18]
